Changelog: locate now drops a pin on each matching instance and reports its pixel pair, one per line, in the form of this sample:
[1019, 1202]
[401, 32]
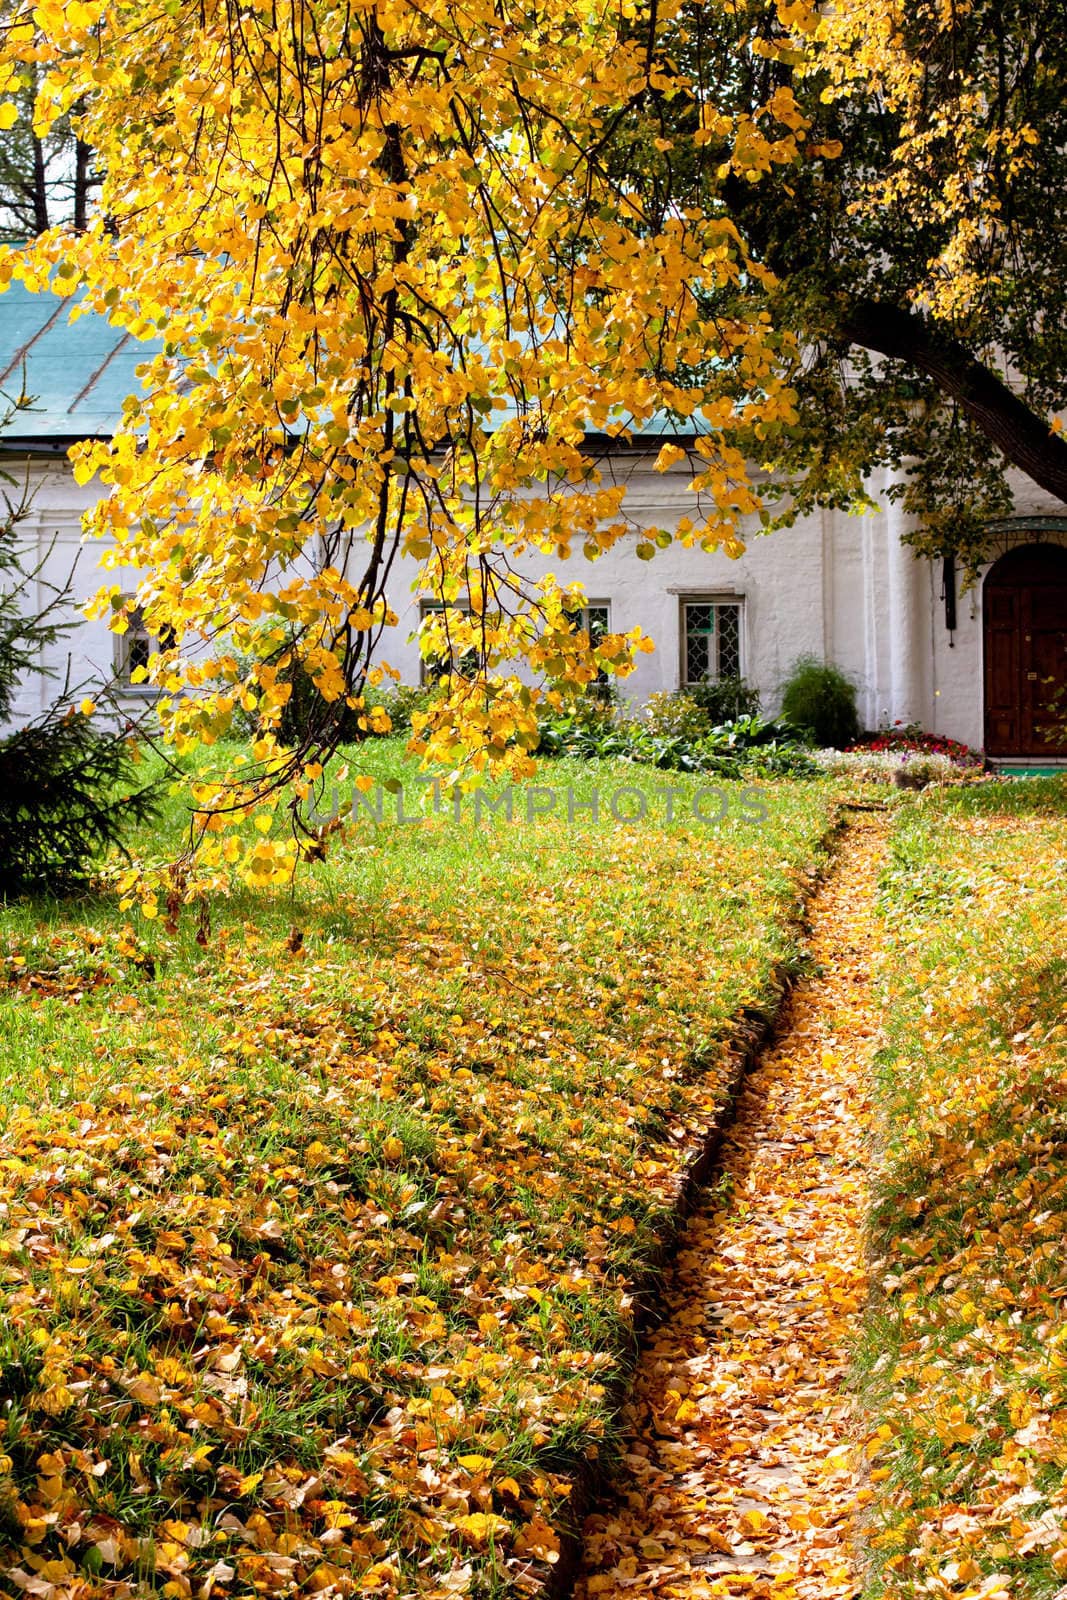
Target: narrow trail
[737, 1478]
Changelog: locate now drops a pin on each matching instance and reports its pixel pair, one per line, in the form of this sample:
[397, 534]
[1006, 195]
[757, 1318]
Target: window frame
[579, 617]
[714, 598]
[137, 632]
[601, 686]
[428, 605]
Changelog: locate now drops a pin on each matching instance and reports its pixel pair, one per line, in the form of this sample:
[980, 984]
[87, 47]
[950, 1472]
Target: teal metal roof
[77, 374]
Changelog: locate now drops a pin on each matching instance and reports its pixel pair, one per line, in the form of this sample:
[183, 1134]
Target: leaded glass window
[711, 640]
[594, 618]
[464, 664]
[133, 648]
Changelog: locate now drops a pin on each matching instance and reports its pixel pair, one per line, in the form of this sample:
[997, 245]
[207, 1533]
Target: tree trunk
[40, 187]
[1021, 435]
[82, 179]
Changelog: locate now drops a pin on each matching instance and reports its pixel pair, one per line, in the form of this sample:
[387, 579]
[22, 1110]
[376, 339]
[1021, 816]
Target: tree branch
[1020, 434]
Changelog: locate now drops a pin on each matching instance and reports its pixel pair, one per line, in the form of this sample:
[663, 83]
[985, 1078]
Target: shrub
[676, 716]
[820, 700]
[400, 703]
[672, 735]
[69, 794]
[725, 700]
[588, 730]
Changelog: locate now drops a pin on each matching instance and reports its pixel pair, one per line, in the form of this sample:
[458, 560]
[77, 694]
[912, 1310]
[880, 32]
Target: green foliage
[820, 700]
[66, 796]
[65, 786]
[675, 735]
[677, 715]
[588, 729]
[400, 703]
[692, 713]
[725, 699]
[758, 747]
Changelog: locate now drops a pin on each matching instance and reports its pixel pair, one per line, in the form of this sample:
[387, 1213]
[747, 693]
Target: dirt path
[737, 1479]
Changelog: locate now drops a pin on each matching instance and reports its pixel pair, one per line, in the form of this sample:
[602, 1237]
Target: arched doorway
[1024, 609]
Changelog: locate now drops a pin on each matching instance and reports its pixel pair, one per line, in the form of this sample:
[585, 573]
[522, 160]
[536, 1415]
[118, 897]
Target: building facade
[976, 666]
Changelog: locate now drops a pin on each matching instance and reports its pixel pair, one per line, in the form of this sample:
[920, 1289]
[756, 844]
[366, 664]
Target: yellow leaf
[482, 1527]
[669, 455]
[144, 1388]
[538, 1538]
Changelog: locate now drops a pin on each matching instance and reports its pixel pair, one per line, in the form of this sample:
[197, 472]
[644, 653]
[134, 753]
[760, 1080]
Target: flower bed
[904, 739]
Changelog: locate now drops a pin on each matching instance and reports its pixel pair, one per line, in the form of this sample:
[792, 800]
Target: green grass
[329, 1253]
[964, 1361]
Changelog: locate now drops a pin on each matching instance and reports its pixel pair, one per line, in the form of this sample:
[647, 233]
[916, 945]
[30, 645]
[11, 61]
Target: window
[711, 640]
[434, 668]
[133, 648]
[595, 619]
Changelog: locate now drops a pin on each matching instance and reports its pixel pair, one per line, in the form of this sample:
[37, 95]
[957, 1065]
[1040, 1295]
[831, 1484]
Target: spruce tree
[67, 787]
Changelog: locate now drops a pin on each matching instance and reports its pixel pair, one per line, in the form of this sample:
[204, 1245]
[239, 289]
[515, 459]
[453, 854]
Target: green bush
[673, 735]
[68, 787]
[819, 700]
[725, 700]
[400, 703]
[676, 716]
[589, 729]
[68, 793]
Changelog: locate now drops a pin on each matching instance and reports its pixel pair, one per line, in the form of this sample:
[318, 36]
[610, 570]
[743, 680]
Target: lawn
[964, 1363]
[323, 1235]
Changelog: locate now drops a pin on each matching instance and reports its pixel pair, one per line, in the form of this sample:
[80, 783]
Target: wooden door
[1024, 606]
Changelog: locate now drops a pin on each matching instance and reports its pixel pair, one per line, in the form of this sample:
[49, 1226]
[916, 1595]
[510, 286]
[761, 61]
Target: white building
[974, 667]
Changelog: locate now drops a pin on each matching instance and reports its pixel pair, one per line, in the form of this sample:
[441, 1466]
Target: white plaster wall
[843, 588]
[788, 608]
[52, 541]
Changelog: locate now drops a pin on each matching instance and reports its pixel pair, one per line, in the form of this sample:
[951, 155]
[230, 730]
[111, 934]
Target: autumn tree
[917, 259]
[400, 283]
[409, 260]
[46, 178]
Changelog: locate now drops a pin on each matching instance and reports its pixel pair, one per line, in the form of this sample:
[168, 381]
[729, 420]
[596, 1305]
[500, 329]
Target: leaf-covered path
[737, 1478]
